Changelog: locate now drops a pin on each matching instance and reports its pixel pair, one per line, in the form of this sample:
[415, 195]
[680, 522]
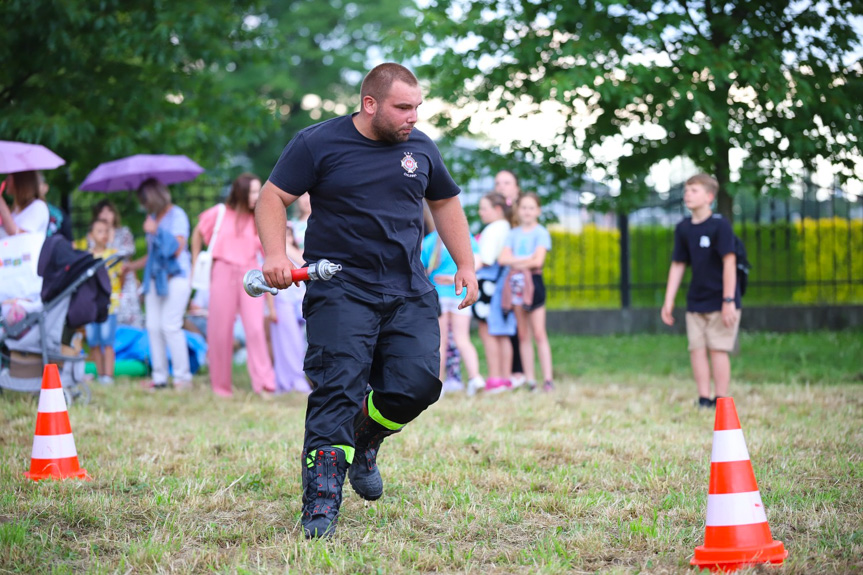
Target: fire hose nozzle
[256, 286]
[323, 270]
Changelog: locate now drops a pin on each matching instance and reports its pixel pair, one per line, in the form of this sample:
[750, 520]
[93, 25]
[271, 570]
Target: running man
[375, 322]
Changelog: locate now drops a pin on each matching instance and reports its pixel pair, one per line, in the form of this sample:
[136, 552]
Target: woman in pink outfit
[235, 251]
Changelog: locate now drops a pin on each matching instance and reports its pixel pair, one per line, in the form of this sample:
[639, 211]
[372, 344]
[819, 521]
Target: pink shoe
[497, 385]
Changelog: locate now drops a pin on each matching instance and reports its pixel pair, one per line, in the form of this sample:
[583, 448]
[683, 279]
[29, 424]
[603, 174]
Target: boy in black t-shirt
[705, 241]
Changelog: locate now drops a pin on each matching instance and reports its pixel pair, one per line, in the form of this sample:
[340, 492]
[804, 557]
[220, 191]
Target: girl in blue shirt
[524, 291]
[441, 268]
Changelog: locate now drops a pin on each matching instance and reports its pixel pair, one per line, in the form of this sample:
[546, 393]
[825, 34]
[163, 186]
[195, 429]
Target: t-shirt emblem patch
[704, 242]
[409, 164]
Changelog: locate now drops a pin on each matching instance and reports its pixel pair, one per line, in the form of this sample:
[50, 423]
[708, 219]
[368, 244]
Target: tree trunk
[724, 201]
[719, 27]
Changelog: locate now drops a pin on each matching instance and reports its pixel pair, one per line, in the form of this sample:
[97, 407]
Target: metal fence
[805, 248]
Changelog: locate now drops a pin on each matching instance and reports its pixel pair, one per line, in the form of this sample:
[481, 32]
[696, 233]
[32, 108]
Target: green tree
[98, 81]
[642, 81]
[314, 54]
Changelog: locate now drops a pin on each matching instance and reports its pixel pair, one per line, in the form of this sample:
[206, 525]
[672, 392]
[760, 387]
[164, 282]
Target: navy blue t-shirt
[366, 199]
[702, 246]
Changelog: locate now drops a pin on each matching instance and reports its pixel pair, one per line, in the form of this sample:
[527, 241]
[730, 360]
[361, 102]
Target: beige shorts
[708, 330]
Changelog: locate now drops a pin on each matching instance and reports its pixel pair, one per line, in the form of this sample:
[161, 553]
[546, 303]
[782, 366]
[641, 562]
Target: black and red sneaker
[324, 471]
[364, 474]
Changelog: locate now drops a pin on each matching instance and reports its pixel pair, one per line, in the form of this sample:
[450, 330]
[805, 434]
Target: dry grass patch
[608, 474]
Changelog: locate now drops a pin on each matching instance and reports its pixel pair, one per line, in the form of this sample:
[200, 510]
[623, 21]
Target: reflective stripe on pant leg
[377, 416]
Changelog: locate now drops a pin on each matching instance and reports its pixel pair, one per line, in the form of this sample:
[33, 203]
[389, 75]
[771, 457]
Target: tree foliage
[98, 81]
[643, 81]
[217, 81]
[314, 54]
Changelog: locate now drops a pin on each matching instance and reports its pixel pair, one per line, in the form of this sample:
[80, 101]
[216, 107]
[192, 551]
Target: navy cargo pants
[356, 337]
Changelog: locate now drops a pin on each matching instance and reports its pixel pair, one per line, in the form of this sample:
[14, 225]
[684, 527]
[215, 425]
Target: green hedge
[649, 258]
[791, 263]
[831, 251]
[590, 259]
[776, 266]
[772, 251]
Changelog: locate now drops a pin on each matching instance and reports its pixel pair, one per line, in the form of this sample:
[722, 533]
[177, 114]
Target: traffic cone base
[737, 532]
[54, 455]
[730, 559]
[52, 470]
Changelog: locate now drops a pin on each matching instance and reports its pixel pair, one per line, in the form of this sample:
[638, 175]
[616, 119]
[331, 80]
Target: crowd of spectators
[153, 292]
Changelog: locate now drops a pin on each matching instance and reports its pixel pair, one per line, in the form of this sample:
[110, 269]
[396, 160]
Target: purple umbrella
[129, 173]
[21, 157]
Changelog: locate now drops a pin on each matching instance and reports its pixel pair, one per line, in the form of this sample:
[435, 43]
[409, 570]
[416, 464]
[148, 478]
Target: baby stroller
[76, 290]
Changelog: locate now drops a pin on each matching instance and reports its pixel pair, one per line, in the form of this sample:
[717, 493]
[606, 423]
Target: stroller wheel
[78, 392]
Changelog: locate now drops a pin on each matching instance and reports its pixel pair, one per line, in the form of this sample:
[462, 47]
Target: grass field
[608, 474]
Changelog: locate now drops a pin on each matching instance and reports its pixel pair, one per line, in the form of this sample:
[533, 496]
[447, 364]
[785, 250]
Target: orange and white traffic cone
[737, 532]
[54, 455]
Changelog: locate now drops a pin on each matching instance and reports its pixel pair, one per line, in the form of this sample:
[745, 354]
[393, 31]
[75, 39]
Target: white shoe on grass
[474, 385]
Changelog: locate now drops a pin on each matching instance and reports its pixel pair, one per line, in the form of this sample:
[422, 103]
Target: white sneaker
[106, 380]
[452, 385]
[517, 380]
[474, 385]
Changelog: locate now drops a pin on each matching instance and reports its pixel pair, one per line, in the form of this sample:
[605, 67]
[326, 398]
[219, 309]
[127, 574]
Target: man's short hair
[708, 182]
[378, 81]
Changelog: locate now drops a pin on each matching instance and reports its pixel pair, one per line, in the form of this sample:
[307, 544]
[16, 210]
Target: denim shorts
[102, 334]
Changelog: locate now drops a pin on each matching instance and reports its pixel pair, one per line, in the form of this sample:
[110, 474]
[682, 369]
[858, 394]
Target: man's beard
[387, 133]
